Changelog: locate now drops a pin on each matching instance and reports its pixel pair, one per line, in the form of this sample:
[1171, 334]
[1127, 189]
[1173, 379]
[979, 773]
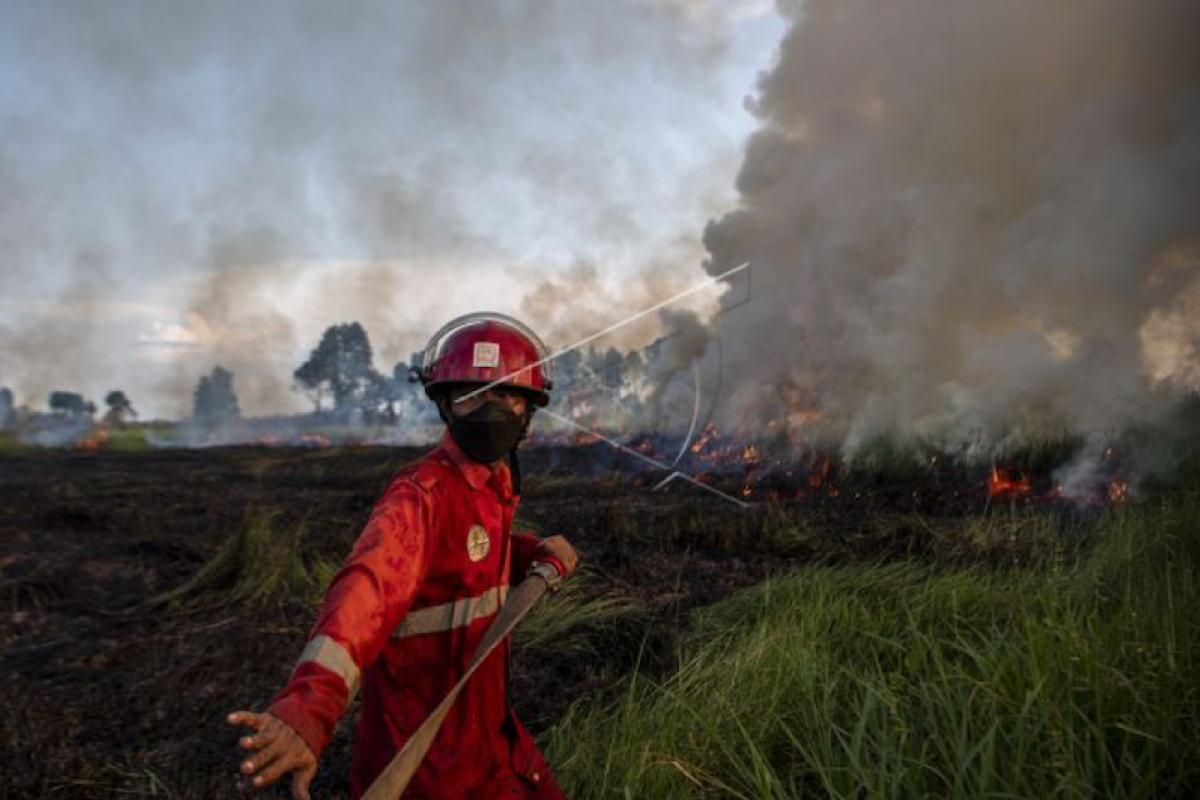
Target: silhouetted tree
[340, 367]
[567, 369]
[405, 372]
[634, 362]
[609, 367]
[214, 402]
[634, 371]
[70, 404]
[119, 407]
[385, 396]
[409, 391]
[6, 407]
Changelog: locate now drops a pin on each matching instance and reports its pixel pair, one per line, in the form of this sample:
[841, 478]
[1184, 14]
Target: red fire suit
[403, 616]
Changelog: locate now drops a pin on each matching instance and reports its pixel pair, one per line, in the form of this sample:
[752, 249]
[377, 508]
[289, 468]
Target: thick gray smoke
[969, 221]
[240, 176]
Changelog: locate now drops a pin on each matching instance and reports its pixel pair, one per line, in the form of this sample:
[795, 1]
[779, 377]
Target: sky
[186, 185]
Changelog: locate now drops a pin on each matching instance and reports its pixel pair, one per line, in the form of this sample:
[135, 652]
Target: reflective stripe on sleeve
[449, 616]
[332, 656]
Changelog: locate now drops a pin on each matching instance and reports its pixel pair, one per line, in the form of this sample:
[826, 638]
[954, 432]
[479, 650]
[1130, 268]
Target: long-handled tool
[394, 779]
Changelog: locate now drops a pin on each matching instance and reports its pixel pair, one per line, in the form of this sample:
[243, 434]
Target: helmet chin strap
[514, 463]
[514, 469]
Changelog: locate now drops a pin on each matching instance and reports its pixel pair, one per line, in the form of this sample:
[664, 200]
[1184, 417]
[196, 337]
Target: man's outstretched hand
[276, 749]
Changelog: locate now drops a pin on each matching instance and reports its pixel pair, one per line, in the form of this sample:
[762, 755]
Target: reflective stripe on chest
[448, 616]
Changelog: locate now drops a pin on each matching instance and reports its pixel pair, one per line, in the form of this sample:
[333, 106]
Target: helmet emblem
[487, 354]
[478, 543]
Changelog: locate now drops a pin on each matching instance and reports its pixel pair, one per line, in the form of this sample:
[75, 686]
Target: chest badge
[478, 543]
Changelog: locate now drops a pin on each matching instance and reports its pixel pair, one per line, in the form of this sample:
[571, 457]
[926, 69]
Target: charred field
[143, 595]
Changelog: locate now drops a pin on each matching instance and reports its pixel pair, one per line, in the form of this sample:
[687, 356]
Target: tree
[214, 402]
[405, 372]
[609, 368]
[6, 407]
[634, 371]
[567, 369]
[340, 367]
[409, 392]
[119, 407]
[70, 404]
[383, 397]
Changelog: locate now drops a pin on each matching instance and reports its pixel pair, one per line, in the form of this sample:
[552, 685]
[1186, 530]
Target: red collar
[477, 475]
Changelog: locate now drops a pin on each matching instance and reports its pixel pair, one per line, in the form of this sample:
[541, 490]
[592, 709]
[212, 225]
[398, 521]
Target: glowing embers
[780, 468]
[584, 437]
[707, 435]
[95, 440]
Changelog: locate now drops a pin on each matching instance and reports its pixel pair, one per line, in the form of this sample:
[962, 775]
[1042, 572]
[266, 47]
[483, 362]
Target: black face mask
[488, 433]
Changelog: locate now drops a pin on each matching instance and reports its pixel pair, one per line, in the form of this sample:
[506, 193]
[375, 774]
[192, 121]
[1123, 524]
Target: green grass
[259, 564]
[134, 439]
[575, 619]
[125, 439]
[903, 680]
[11, 445]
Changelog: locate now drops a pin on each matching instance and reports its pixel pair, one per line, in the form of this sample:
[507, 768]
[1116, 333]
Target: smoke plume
[970, 221]
[248, 174]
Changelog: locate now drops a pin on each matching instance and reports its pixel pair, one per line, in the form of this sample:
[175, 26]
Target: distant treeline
[339, 377]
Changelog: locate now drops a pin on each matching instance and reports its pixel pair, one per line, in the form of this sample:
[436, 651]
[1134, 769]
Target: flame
[1001, 483]
[645, 446]
[707, 435]
[785, 469]
[817, 477]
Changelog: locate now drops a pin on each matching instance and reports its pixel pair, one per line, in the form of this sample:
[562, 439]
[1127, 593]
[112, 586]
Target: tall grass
[259, 564]
[577, 620]
[900, 681]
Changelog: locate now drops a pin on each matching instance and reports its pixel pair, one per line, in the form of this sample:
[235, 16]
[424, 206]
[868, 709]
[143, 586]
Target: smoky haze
[185, 185]
[969, 221]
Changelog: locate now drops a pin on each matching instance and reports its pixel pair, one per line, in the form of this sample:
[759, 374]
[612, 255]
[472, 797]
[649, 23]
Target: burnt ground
[104, 694]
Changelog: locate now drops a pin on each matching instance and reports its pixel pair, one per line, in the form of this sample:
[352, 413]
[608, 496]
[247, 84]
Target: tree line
[70, 406]
[340, 380]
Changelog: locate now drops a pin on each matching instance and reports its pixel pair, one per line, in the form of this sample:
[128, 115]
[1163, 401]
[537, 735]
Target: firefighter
[404, 613]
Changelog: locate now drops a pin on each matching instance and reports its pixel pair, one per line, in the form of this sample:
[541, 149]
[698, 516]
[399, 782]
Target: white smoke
[970, 221]
[207, 158]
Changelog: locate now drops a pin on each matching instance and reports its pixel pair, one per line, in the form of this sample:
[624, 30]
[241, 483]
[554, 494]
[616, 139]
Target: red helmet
[485, 348]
